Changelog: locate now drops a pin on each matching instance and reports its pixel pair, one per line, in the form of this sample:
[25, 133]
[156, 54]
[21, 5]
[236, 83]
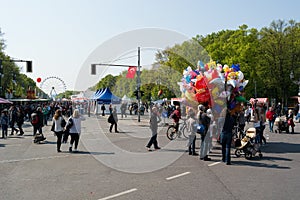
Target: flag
[131, 72]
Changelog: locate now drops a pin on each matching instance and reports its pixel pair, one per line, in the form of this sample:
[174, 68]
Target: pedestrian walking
[58, 123]
[45, 112]
[262, 117]
[290, 120]
[113, 120]
[110, 108]
[103, 109]
[176, 116]
[154, 120]
[20, 119]
[203, 120]
[4, 123]
[12, 119]
[123, 109]
[192, 130]
[37, 121]
[75, 129]
[226, 137]
[271, 116]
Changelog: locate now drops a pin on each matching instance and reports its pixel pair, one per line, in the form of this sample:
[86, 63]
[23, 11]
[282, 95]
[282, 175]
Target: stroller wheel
[260, 155]
[237, 153]
[248, 155]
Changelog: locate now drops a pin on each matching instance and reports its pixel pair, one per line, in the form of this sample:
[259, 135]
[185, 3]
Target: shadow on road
[281, 147]
[258, 164]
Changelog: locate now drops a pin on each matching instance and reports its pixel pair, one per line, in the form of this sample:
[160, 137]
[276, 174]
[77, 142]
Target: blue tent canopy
[107, 97]
[97, 94]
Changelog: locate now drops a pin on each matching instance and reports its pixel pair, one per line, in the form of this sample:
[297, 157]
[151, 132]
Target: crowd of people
[199, 121]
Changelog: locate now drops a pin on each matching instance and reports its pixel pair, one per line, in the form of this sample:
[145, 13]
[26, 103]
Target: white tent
[126, 99]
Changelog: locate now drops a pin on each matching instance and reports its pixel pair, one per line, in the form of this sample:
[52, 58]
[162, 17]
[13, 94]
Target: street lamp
[292, 77]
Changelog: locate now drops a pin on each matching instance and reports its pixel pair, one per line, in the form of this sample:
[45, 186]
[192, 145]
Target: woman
[154, 120]
[256, 125]
[192, 130]
[290, 120]
[262, 126]
[113, 120]
[58, 128]
[75, 129]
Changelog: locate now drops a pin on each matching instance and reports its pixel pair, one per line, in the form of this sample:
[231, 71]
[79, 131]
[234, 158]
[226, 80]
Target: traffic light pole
[138, 81]
[139, 84]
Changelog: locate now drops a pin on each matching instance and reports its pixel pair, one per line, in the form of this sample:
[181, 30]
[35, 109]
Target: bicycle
[173, 134]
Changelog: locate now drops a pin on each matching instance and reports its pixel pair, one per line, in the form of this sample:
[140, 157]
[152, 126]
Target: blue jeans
[226, 139]
[298, 116]
[271, 125]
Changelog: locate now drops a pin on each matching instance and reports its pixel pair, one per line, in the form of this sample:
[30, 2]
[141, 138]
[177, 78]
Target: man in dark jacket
[37, 121]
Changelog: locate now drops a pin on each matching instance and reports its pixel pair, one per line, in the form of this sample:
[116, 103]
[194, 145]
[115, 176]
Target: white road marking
[119, 194]
[215, 163]
[179, 175]
[30, 159]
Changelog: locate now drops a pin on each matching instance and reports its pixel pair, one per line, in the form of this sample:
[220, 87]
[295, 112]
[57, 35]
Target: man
[271, 115]
[176, 116]
[226, 137]
[204, 120]
[154, 120]
[37, 121]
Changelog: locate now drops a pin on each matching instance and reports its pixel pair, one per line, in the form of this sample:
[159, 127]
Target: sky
[63, 37]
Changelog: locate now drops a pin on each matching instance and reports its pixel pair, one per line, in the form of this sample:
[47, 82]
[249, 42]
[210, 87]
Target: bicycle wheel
[183, 131]
[171, 133]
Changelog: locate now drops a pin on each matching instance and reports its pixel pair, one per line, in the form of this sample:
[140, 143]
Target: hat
[201, 107]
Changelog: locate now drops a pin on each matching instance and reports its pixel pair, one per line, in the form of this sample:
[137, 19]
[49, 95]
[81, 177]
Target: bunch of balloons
[213, 84]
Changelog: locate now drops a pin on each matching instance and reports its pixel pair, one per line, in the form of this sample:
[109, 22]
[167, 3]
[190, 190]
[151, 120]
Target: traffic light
[93, 69]
[28, 66]
[136, 94]
[142, 93]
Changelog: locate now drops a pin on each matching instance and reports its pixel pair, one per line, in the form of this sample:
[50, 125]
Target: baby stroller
[38, 138]
[246, 147]
[281, 125]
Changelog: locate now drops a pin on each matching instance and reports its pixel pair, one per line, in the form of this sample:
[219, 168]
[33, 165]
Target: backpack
[34, 118]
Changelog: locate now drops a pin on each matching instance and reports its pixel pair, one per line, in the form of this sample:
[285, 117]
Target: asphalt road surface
[118, 166]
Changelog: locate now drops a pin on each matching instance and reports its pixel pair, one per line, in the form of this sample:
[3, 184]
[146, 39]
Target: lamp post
[292, 77]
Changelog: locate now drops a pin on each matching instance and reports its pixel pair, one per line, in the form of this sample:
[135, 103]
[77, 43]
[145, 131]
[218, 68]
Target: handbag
[110, 119]
[200, 129]
[63, 122]
[256, 124]
[53, 127]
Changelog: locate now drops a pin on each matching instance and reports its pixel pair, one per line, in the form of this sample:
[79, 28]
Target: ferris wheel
[53, 86]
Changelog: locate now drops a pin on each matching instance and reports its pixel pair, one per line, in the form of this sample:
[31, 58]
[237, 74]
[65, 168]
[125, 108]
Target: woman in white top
[75, 128]
[59, 123]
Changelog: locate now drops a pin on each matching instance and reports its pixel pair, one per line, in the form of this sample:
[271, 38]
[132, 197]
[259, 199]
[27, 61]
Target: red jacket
[269, 115]
[177, 115]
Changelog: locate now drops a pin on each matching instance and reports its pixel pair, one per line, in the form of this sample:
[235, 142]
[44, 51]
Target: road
[118, 166]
